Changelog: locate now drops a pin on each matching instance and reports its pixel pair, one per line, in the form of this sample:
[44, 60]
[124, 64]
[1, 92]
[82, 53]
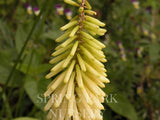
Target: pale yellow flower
[75, 93]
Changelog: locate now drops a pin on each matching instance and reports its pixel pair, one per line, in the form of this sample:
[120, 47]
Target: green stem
[8, 109]
[23, 48]
[19, 67]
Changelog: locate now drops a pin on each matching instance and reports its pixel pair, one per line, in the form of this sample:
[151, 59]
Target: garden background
[28, 29]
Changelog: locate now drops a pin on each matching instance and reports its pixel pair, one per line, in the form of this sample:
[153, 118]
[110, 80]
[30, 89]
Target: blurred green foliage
[133, 93]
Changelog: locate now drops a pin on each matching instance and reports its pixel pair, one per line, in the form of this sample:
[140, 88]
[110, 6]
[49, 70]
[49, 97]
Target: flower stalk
[80, 74]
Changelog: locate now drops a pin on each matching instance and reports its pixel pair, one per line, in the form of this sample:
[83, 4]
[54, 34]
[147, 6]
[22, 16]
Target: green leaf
[6, 57]
[5, 35]
[122, 107]
[35, 88]
[16, 79]
[20, 38]
[154, 50]
[35, 69]
[25, 118]
[107, 113]
[54, 33]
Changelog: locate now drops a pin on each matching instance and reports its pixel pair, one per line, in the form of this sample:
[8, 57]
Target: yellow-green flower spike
[78, 71]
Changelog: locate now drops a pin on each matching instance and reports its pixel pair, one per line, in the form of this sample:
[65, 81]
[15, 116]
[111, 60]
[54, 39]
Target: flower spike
[79, 72]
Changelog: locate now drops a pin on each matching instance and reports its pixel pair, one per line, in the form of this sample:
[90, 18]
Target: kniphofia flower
[78, 71]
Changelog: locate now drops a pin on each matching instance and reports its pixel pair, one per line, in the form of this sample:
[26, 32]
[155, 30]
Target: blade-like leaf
[122, 107]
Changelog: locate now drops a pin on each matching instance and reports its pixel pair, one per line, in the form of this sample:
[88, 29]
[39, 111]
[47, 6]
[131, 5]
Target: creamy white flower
[80, 74]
